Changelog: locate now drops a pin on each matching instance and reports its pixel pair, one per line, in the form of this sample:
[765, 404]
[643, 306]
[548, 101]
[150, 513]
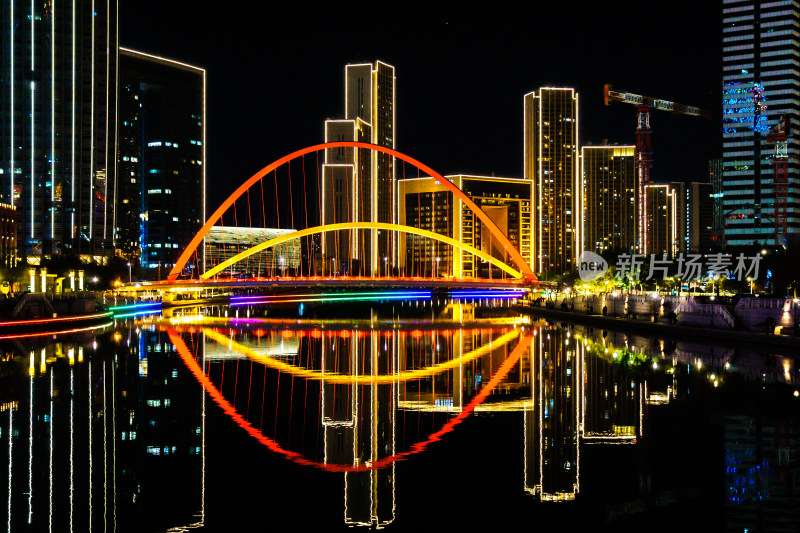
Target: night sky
[275, 74]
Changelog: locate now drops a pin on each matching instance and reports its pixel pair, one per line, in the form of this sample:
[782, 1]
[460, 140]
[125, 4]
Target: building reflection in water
[367, 377]
[107, 431]
[359, 423]
[575, 389]
[82, 434]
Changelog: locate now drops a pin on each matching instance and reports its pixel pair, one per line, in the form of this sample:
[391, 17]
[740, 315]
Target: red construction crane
[778, 135]
[644, 152]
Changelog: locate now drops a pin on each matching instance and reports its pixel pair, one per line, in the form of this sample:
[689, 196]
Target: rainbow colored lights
[137, 309]
[372, 296]
[478, 294]
[331, 297]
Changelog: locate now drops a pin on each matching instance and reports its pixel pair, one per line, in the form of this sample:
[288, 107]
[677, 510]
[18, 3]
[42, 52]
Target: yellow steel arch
[333, 377]
[359, 225]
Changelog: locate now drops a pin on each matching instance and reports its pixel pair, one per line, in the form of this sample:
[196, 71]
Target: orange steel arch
[509, 248]
[228, 408]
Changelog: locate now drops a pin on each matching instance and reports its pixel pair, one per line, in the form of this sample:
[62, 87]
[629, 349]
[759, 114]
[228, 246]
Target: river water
[402, 415]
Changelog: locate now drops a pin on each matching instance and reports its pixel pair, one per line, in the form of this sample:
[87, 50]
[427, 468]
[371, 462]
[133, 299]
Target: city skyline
[453, 69]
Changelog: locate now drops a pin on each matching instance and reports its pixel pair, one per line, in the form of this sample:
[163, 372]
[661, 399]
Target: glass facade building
[57, 134]
[161, 193]
[760, 84]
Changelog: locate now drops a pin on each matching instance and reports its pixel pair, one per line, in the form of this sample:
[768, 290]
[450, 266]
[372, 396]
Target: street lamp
[436, 266]
[282, 269]
[386, 266]
[333, 266]
[130, 279]
[750, 279]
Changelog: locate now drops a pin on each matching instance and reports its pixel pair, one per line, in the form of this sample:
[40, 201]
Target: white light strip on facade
[72, 132]
[71, 444]
[89, 365]
[105, 449]
[578, 210]
[52, 126]
[108, 110]
[50, 516]
[205, 166]
[33, 49]
[116, 148]
[159, 58]
[11, 114]
[30, 443]
[91, 159]
[33, 18]
[114, 444]
[33, 159]
[10, 455]
[539, 179]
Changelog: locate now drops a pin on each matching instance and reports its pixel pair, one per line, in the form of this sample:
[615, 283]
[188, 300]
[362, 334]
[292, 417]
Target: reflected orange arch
[509, 248]
[228, 408]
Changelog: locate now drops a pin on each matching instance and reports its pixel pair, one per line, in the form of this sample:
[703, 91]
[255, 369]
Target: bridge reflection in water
[568, 391]
[100, 429]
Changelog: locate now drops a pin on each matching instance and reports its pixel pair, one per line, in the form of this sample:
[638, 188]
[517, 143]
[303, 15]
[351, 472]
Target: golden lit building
[551, 162]
[425, 203]
[661, 219]
[359, 185]
[8, 235]
[609, 198]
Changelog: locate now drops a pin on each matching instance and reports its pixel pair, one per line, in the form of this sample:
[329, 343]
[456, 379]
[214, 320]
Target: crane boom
[609, 95]
[644, 151]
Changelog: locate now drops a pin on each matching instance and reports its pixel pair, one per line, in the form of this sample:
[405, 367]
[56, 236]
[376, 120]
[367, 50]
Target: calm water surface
[453, 417]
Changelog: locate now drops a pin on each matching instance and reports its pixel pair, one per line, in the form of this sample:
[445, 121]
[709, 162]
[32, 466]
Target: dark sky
[275, 74]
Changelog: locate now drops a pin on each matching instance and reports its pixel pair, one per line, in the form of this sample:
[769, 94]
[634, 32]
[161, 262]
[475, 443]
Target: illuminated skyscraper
[760, 84]
[609, 198]
[425, 203]
[57, 134]
[551, 162]
[360, 185]
[661, 213]
[694, 216]
[552, 426]
[161, 193]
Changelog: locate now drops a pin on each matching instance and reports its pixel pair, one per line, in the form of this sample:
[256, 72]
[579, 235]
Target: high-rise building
[694, 216]
[161, 192]
[360, 185]
[609, 198]
[700, 216]
[680, 202]
[425, 203]
[760, 85]
[661, 214]
[551, 162]
[715, 176]
[57, 134]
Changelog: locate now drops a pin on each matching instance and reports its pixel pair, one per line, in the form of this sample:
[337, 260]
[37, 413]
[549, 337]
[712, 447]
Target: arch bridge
[311, 269]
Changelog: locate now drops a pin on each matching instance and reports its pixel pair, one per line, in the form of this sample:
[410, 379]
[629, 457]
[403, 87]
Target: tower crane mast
[644, 151]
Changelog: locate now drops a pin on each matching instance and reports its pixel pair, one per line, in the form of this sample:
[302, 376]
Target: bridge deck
[330, 282]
